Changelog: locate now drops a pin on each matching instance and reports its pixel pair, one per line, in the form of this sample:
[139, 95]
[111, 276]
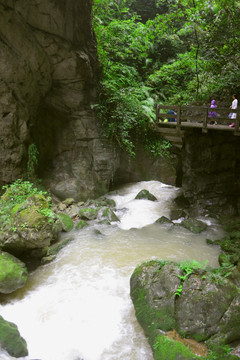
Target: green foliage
[18, 191]
[168, 349]
[222, 352]
[14, 197]
[220, 274]
[187, 53]
[188, 268]
[157, 146]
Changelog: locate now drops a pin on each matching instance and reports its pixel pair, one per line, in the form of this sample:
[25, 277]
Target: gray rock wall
[48, 67]
[211, 171]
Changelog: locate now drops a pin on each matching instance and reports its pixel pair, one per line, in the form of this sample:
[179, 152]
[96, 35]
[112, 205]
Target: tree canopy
[165, 51]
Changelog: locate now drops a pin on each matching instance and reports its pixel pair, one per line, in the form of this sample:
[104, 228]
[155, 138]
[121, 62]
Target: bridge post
[157, 113]
[205, 119]
[178, 118]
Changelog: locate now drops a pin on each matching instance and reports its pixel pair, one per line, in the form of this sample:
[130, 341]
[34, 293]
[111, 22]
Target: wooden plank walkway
[189, 117]
[196, 117]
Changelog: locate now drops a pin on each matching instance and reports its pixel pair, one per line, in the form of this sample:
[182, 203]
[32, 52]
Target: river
[78, 306]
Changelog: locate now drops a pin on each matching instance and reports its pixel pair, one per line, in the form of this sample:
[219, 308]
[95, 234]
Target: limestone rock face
[211, 165]
[48, 68]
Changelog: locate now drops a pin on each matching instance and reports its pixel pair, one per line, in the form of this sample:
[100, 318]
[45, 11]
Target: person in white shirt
[234, 106]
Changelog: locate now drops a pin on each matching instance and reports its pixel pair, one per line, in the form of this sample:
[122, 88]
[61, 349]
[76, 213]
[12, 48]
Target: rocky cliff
[48, 68]
[211, 171]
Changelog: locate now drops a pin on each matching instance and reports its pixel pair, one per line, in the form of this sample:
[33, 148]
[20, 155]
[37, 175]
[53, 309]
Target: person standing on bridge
[234, 107]
[212, 114]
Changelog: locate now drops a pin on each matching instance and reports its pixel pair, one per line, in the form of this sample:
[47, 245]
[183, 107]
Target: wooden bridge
[172, 126]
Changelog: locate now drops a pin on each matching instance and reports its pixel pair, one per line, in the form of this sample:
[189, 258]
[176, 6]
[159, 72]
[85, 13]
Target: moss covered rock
[11, 340]
[145, 194]
[108, 214]
[201, 304]
[28, 225]
[163, 220]
[88, 213]
[81, 224]
[195, 226]
[65, 221]
[13, 273]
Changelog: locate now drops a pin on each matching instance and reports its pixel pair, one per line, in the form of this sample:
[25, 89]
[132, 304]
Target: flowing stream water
[78, 306]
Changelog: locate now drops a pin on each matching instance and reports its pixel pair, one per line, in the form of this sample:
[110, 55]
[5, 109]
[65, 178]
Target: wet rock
[11, 340]
[145, 194]
[54, 249]
[177, 214]
[81, 224]
[88, 213]
[108, 214]
[163, 220]
[193, 225]
[13, 273]
[200, 304]
[198, 314]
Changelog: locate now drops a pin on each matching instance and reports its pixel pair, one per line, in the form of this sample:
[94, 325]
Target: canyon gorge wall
[49, 70]
[211, 171]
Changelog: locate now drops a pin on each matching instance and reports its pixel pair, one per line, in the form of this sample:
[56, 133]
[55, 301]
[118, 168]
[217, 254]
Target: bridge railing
[197, 116]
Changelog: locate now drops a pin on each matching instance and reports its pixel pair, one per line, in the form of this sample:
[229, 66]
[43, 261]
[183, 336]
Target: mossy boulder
[163, 220]
[153, 294]
[199, 303]
[65, 221]
[28, 225]
[13, 273]
[193, 225]
[81, 224]
[88, 213]
[108, 214]
[145, 194]
[230, 246]
[11, 340]
[105, 202]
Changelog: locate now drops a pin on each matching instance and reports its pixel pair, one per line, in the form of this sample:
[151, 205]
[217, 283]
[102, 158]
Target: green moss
[88, 213]
[145, 194]
[150, 318]
[220, 352]
[13, 273]
[23, 205]
[109, 215]
[66, 222]
[81, 224]
[105, 202]
[194, 225]
[167, 349]
[31, 216]
[10, 339]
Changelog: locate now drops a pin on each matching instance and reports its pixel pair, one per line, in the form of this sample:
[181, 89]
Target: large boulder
[31, 226]
[11, 340]
[13, 273]
[27, 222]
[200, 304]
